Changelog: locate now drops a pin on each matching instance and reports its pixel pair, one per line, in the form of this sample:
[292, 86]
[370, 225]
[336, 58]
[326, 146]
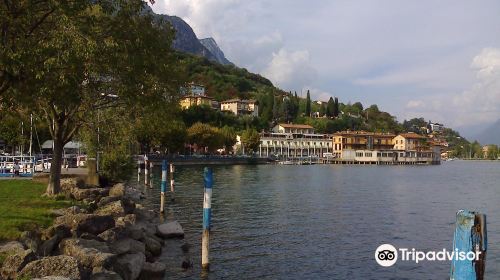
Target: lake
[325, 221]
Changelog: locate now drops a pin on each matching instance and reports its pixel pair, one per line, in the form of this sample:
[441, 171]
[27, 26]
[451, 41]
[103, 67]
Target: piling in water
[163, 189]
[172, 182]
[207, 212]
[470, 236]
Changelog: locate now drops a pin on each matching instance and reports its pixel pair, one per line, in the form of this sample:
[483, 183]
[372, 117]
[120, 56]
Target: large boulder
[31, 239]
[53, 235]
[67, 184]
[90, 253]
[90, 193]
[63, 266]
[129, 266]
[127, 245]
[113, 234]
[107, 199]
[152, 271]
[116, 208]
[13, 264]
[106, 275]
[118, 190]
[152, 245]
[127, 220]
[12, 247]
[170, 230]
[90, 223]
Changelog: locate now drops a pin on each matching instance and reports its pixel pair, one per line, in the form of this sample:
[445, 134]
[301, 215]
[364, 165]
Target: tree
[205, 136]
[228, 138]
[336, 107]
[330, 107]
[322, 110]
[79, 57]
[250, 139]
[358, 106]
[308, 104]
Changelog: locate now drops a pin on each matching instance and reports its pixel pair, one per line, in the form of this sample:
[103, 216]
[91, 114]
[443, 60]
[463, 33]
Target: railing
[25, 164]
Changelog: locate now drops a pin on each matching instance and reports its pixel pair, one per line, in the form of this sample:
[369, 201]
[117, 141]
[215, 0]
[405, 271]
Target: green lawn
[22, 207]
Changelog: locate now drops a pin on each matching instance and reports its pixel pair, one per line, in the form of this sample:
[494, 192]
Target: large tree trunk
[54, 186]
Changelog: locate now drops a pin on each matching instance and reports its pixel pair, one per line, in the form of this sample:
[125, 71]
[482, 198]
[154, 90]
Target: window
[379, 154]
[368, 154]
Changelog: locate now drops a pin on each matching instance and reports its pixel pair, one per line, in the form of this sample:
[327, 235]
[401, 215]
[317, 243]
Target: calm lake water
[325, 221]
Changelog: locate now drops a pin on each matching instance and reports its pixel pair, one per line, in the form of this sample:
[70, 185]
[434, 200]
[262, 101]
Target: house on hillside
[241, 107]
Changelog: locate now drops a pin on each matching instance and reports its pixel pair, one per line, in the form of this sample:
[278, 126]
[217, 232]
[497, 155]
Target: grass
[22, 207]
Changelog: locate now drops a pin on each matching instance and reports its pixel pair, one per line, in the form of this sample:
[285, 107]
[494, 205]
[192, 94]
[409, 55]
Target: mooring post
[164, 167]
[151, 165]
[146, 170]
[207, 212]
[470, 237]
[138, 170]
[172, 182]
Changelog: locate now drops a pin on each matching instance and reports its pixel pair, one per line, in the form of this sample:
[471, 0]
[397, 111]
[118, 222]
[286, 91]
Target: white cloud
[290, 70]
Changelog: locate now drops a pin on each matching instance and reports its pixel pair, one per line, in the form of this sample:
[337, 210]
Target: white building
[294, 141]
[241, 107]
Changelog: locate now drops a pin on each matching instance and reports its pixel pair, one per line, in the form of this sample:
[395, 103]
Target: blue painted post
[470, 237]
[164, 166]
[207, 212]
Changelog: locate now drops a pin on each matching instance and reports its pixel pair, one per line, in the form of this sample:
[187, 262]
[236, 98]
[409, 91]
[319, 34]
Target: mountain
[212, 46]
[490, 135]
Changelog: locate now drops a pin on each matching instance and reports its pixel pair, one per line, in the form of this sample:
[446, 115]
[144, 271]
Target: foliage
[228, 135]
[250, 139]
[308, 104]
[205, 136]
[22, 207]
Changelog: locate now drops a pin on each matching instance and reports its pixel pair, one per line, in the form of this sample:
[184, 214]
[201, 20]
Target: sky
[413, 58]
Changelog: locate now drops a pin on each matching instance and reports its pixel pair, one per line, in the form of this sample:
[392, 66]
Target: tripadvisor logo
[387, 255]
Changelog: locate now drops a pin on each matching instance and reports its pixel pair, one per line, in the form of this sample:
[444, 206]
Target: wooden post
[470, 236]
[207, 212]
[164, 167]
[138, 170]
[146, 172]
[151, 165]
[92, 175]
[172, 182]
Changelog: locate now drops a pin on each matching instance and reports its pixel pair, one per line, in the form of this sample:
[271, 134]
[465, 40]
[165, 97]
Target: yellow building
[410, 142]
[195, 100]
[360, 140]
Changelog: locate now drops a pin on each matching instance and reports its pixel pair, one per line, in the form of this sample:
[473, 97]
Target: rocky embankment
[111, 237]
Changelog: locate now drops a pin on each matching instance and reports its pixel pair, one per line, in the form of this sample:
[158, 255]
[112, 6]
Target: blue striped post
[164, 166]
[470, 237]
[207, 212]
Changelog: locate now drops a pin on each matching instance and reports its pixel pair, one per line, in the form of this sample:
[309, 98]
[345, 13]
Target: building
[288, 141]
[193, 88]
[434, 127]
[410, 141]
[241, 107]
[345, 142]
[293, 128]
[195, 100]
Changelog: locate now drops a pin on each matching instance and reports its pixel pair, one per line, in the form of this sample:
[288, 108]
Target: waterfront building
[288, 141]
[241, 107]
[410, 141]
[345, 142]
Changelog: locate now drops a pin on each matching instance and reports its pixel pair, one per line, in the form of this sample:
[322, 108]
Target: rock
[99, 273]
[31, 239]
[90, 253]
[185, 247]
[107, 199]
[90, 193]
[135, 232]
[143, 214]
[170, 230]
[13, 264]
[61, 231]
[67, 184]
[62, 266]
[152, 245]
[12, 247]
[127, 245]
[90, 223]
[126, 220]
[53, 278]
[154, 270]
[118, 190]
[117, 208]
[129, 266]
[113, 234]
[48, 246]
[90, 236]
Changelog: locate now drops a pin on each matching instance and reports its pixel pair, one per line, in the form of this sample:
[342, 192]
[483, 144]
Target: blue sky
[436, 59]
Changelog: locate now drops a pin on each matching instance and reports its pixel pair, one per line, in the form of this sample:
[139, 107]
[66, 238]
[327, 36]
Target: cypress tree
[308, 104]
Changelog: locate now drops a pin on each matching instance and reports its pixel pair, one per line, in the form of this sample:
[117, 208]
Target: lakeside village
[285, 143]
